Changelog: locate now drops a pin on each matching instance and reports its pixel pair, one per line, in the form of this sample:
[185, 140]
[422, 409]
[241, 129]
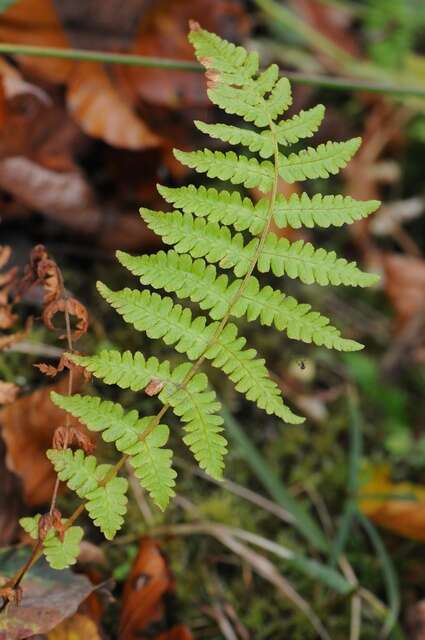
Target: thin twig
[337, 83]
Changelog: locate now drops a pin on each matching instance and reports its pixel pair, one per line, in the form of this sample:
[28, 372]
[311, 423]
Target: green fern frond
[249, 102]
[233, 63]
[161, 318]
[228, 208]
[193, 403]
[206, 234]
[126, 430]
[229, 166]
[59, 554]
[107, 505]
[216, 244]
[199, 282]
[319, 162]
[302, 125]
[105, 498]
[321, 211]
[200, 238]
[301, 260]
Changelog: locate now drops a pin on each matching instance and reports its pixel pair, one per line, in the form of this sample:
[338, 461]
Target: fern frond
[160, 318]
[126, 431]
[193, 403]
[232, 63]
[200, 283]
[249, 101]
[216, 244]
[200, 238]
[107, 505]
[105, 499]
[197, 407]
[260, 142]
[318, 162]
[322, 211]
[302, 125]
[229, 166]
[59, 554]
[228, 208]
[301, 260]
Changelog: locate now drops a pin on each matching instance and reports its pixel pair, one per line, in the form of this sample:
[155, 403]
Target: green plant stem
[339, 84]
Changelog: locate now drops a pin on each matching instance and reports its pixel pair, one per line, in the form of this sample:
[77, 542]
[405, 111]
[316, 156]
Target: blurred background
[83, 145]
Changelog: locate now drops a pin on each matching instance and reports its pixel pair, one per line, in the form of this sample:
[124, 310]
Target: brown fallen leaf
[15, 85]
[399, 506]
[48, 597]
[143, 606]
[8, 392]
[100, 110]
[36, 22]
[11, 503]
[404, 285]
[78, 627]
[93, 99]
[179, 632]
[65, 197]
[27, 427]
[147, 583]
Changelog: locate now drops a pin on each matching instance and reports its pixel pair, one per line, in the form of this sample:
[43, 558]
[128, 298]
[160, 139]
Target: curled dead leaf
[73, 308]
[64, 363]
[68, 436]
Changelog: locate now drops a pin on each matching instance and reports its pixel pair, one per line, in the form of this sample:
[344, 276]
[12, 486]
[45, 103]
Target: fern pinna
[212, 232]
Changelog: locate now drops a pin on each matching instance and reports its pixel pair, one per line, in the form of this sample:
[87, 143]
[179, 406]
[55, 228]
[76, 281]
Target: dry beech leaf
[27, 427]
[36, 22]
[63, 196]
[399, 507]
[48, 597]
[8, 392]
[144, 589]
[15, 85]
[96, 104]
[93, 100]
[404, 285]
[78, 627]
[143, 596]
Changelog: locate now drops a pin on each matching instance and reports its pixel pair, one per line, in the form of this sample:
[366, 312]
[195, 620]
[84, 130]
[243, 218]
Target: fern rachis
[205, 232]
